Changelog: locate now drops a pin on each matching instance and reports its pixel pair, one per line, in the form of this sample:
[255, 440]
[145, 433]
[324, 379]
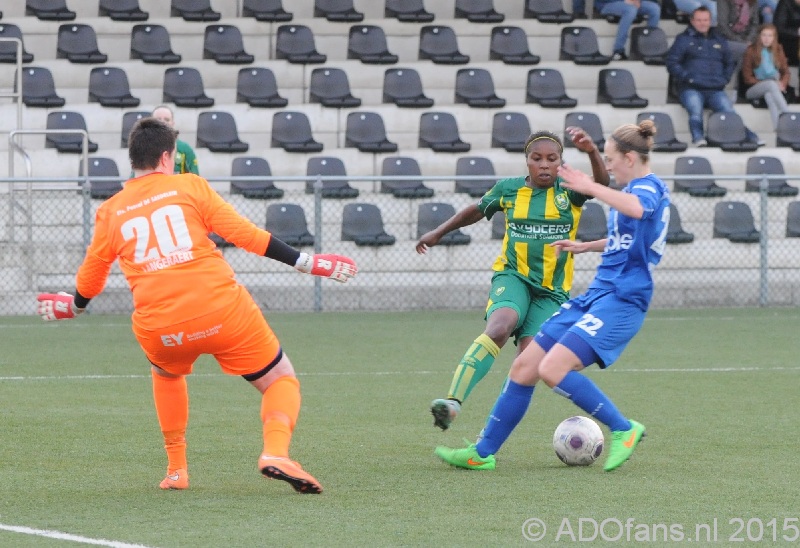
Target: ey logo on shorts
[499, 291]
[562, 202]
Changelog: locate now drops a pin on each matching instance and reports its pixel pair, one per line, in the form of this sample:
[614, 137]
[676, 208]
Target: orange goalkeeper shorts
[237, 336]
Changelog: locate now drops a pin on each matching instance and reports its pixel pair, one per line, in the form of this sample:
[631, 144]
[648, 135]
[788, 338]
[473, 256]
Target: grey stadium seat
[793, 220]
[329, 166]
[439, 131]
[266, 10]
[367, 132]
[509, 44]
[592, 225]
[78, 44]
[254, 166]
[788, 132]
[407, 11]
[675, 232]
[109, 86]
[727, 131]
[296, 44]
[151, 44]
[291, 131]
[768, 165]
[122, 10]
[402, 166]
[337, 11]
[224, 44]
[102, 167]
[194, 10]
[39, 88]
[367, 43]
[649, 45]
[49, 10]
[331, 88]
[403, 87]
[697, 165]
[510, 130]
[8, 50]
[579, 45]
[287, 222]
[184, 87]
[67, 142]
[547, 11]
[217, 132]
[474, 166]
[439, 44]
[589, 122]
[362, 223]
[478, 11]
[617, 87]
[257, 87]
[546, 88]
[475, 87]
[734, 220]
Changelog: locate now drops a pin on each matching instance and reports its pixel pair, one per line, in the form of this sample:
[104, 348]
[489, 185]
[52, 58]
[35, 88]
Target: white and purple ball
[578, 441]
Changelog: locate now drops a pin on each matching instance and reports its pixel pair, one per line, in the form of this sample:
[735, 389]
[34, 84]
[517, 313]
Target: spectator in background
[688, 6]
[185, 158]
[627, 11]
[766, 73]
[766, 9]
[701, 65]
[737, 21]
[787, 21]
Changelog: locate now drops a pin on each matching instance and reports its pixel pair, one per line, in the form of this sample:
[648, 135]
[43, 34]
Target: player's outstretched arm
[57, 306]
[335, 267]
[467, 216]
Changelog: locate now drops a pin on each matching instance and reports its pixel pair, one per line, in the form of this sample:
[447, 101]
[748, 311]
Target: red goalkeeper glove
[335, 267]
[57, 306]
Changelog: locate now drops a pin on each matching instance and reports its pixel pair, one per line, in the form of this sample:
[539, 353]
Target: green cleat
[623, 443]
[444, 412]
[466, 457]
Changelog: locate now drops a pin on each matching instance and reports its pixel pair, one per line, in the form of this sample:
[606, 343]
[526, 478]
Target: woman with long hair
[765, 72]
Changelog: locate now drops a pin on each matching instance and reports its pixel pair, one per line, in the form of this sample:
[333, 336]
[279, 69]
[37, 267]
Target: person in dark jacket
[787, 21]
[701, 64]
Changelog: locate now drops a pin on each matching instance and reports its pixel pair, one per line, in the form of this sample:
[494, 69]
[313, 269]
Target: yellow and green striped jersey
[535, 217]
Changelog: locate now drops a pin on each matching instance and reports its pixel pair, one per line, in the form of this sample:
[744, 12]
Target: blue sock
[508, 410]
[585, 394]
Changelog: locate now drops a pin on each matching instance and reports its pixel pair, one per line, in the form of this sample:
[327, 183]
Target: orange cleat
[179, 479]
[287, 470]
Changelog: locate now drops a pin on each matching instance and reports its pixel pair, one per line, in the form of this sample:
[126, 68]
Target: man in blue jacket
[701, 64]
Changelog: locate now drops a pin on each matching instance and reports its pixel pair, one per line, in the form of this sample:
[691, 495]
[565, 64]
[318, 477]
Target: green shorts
[533, 304]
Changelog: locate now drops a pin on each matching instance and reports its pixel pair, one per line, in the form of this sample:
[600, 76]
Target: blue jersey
[635, 246]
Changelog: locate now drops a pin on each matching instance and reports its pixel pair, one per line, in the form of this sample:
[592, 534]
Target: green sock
[473, 367]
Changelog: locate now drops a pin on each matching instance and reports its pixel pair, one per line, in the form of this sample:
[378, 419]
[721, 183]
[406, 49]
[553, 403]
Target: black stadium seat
[49, 10]
[337, 11]
[326, 167]
[367, 132]
[478, 11]
[254, 166]
[703, 187]
[122, 10]
[675, 232]
[266, 10]
[78, 44]
[296, 44]
[788, 132]
[287, 222]
[403, 87]
[475, 87]
[217, 132]
[39, 88]
[67, 142]
[257, 87]
[109, 86]
[194, 10]
[407, 11]
[403, 166]
[362, 223]
[474, 166]
[768, 165]
[151, 44]
[331, 88]
[592, 225]
[224, 44]
[580, 45]
[367, 43]
[589, 122]
[510, 45]
[439, 131]
[291, 131]
[184, 87]
[649, 45]
[727, 131]
[546, 88]
[547, 11]
[510, 130]
[734, 220]
[8, 49]
[617, 87]
[102, 167]
[439, 44]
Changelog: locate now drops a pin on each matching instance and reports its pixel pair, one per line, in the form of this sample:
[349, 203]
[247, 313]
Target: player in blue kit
[597, 326]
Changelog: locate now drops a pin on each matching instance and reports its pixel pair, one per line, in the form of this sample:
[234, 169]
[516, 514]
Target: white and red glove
[57, 306]
[335, 267]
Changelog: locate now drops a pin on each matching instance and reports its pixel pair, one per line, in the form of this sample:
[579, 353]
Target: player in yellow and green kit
[530, 281]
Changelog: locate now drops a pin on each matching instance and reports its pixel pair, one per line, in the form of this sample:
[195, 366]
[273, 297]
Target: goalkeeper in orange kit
[187, 301]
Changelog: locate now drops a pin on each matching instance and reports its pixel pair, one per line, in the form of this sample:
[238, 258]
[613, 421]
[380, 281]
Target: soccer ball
[578, 441]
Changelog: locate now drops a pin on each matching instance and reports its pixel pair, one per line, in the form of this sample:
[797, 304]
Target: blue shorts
[596, 326]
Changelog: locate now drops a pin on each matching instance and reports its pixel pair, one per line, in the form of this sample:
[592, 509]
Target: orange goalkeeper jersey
[158, 227]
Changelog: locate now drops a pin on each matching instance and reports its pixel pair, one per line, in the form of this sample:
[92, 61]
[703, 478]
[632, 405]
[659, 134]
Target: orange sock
[171, 397]
[280, 406]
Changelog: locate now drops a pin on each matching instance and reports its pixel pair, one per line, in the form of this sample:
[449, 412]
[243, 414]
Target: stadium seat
[672, 91]
[510, 45]
[67, 142]
[768, 165]
[402, 166]
[291, 131]
[439, 44]
[665, 139]
[295, 43]
[589, 122]
[257, 87]
[266, 10]
[49, 10]
[78, 44]
[184, 87]
[224, 44]
[734, 220]
[579, 45]
[109, 86]
[337, 11]
[151, 44]
[403, 87]
[194, 10]
[478, 11]
[547, 11]
[675, 232]
[407, 11]
[128, 119]
[219, 241]
[8, 50]
[325, 167]
[498, 226]
[362, 223]
[367, 132]
[704, 187]
[475, 87]
[367, 43]
[122, 10]
[217, 132]
[546, 88]
[788, 131]
[39, 88]
[431, 214]
[510, 130]
[793, 220]
[254, 166]
[617, 87]
[287, 222]
[102, 167]
[727, 131]
[439, 131]
[474, 166]
[593, 223]
[331, 88]
[650, 45]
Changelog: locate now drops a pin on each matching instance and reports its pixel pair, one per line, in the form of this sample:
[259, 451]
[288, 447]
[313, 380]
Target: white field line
[387, 373]
[58, 535]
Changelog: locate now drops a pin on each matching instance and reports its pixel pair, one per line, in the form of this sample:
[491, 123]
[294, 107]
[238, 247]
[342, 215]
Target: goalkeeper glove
[57, 306]
[336, 267]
